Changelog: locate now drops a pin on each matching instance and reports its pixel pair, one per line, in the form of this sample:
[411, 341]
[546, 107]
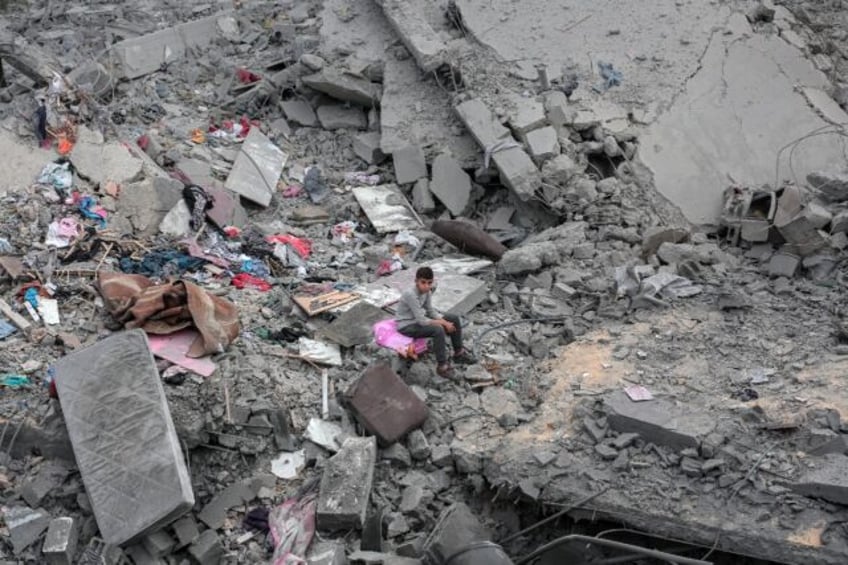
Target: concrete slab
[299, 112]
[257, 168]
[125, 444]
[659, 421]
[422, 198]
[386, 208]
[354, 326]
[342, 117]
[825, 479]
[346, 485]
[143, 205]
[326, 553]
[25, 526]
[455, 294]
[450, 184]
[101, 161]
[542, 144]
[688, 147]
[367, 147]
[416, 110]
[407, 19]
[22, 163]
[528, 114]
[410, 164]
[345, 87]
[142, 55]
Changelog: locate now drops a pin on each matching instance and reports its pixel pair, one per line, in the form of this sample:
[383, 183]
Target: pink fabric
[292, 525]
[387, 335]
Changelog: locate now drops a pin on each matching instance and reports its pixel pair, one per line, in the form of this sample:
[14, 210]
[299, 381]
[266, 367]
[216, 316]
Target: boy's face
[423, 285]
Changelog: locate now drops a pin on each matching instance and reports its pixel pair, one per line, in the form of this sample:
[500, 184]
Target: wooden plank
[314, 305]
[14, 317]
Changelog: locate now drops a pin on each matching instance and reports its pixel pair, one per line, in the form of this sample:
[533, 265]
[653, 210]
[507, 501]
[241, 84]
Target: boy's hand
[449, 327]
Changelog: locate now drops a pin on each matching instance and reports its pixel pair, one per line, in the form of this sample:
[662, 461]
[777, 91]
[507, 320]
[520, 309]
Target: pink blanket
[387, 335]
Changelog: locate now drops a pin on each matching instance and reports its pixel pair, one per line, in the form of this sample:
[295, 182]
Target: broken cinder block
[450, 184]
[410, 164]
[60, 543]
[346, 485]
[407, 18]
[257, 168]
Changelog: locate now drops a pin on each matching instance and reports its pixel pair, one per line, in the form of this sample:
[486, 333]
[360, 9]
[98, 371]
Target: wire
[553, 517]
[671, 558]
[487, 331]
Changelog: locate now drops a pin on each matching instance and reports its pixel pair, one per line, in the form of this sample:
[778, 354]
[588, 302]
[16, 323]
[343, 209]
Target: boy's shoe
[445, 371]
[464, 358]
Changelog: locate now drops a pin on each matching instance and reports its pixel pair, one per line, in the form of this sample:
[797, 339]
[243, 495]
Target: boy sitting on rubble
[416, 318]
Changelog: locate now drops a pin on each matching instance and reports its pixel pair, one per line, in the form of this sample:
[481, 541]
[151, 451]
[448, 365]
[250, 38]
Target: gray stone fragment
[606, 452]
[414, 496]
[366, 146]
[827, 479]
[177, 222]
[215, 512]
[441, 455]
[186, 530]
[312, 62]
[344, 87]
[422, 198]
[333, 117]
[299, 112]
[832, 184]
[624, 440]
[783, 265]
[659, 421]
[114, 386]
[25, 526]
[528, 115]
[207, 549]
[410, 164]
[346, 485]
[457, 528]
[529, 258]
[60, 543]
[143, 205]
[257, 168]
[408, 19]
[326, 553]
[542, 144]
[419, 447]
[655, 236]
[560, 170]
[397, 454]
[101, 161]
[158, 544]
[49, 477]
[450, 184]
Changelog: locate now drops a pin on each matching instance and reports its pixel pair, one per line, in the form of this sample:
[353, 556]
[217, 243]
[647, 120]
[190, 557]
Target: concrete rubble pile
[209, 212]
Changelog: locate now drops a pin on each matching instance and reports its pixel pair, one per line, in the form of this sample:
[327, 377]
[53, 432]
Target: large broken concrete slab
[407, 18]
[354, 326]
[346, 485]
[690, 148]
[517, 170]
[124, 441]
[825, 479]
[345, 87]
[143, 205]
[21, 164]
[455, 293]
[386, 207]
[659, 421]
[257, 168]
[100, 161]
[139, 56]
[450, 184]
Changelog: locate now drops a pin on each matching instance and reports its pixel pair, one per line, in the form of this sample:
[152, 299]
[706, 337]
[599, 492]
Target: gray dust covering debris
[637, 210]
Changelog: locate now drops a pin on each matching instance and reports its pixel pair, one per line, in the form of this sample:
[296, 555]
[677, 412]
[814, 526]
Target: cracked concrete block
[257, 168]
[450, 184]
[659, 421]
[137, 480]
[529, 258]
[559, 112]
[783, 264]
[101, 161]
[49, 477]
[186, 530]
[335, 117]
[422, 198]
[827, 479]
[833, 184]
[207, 549]
[408, 20]
[60, 543]
[529, 114]
[25, 526]
[326, 553]
[456, 528]
[144, 205]
[518, 172]
[655, 236]
[346, 485]
[214, 514]
[344, 87]
[299, 112]
[480, 122]
[543, 144]
[410, 164]
[560, 170]
[839, 223]
[366, 146]
[801, 234]
[158, 544]
[177, 222]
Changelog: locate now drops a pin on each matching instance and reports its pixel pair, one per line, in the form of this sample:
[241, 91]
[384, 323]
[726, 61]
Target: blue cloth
[160, 264]
[611, 77]
[31, 296]
[6, 329]
[86, 207]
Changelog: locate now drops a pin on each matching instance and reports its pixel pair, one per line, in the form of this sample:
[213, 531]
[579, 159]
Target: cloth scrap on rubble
[6, 329]
[89, 209]
[387, 335]
[641, 283]
[320, 352]
[302, 245]
[292, 525]
[137, 302]
[57, 175]
[175, 347]
[246, 280]
[61, 233]
[198, 201]
[611, 77]
[161, 264]
[195, 250]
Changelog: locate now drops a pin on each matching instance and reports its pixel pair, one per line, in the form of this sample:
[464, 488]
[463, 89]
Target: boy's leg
[437, 333]
[456, 336]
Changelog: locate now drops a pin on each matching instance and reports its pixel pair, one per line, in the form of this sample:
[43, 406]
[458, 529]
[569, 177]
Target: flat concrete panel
[257, 168]
[123, 437]
[386, 208]
[455, 293]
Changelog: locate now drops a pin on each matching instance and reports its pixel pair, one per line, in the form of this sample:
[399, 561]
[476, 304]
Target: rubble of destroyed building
[209, 211]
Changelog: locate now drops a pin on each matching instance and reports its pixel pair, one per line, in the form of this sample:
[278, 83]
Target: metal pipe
[611, 544]
[553, 517]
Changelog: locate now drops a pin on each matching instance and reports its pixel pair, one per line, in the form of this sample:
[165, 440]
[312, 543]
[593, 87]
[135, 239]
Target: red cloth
[247, 77]
[246, 280]
[301, 245]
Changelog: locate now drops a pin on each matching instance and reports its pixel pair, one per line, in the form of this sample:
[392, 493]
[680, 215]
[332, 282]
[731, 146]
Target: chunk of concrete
[137, 481]
[422, 198]
[355, 326]
[827, 479]
[478, 119]
[214, 514]
[559, 112]
[344, 87]
[226, 209]
[333, 117]
[159, 544]
[186, 530]
[410, 164]
[346, 485]
[529, 114]
[529, 258]
[257, 168]
[450, 184]
[783, 264]
[456, 529]
[543, 144]
[518, 172]
[49, 477]
[386, 207]
[25, 526]
[366, 146]
[60, 543]
[802, 235]
[143, 205]
[832, 184]
[407, 18]
[299, 112]
[655, 236]
[142, 55]
[101, 161]
[177, 222]
[659, 421]
[207, 549]
[560, 170]
[326, 553]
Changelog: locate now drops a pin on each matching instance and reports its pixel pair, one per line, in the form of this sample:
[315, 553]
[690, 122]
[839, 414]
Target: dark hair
[424, 273]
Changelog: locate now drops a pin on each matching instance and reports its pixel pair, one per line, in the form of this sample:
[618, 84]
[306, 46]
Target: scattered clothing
[162, 264]
[292, 526]
[315, 185]
[246, 280]
[57, 175]
[198, 201]
[89, 209]
[137, 302]
[611, 76]
[62, 233]
[302, 246]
